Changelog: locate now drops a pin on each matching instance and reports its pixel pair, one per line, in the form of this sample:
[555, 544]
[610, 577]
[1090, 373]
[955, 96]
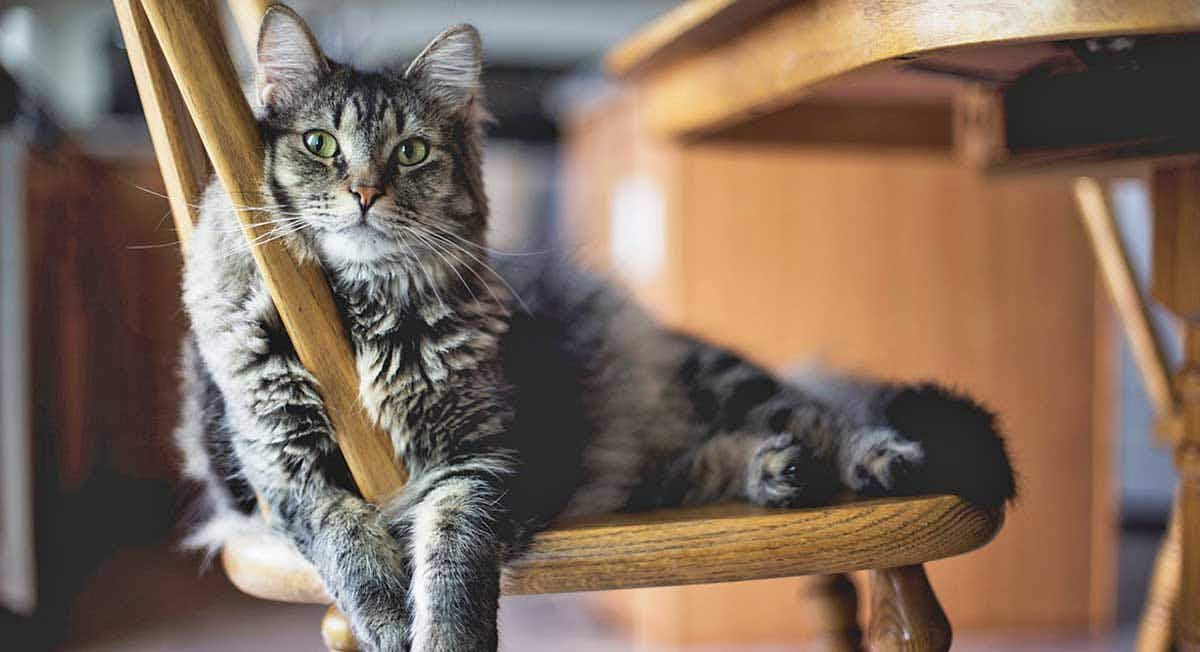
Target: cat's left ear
[289, 61]
[451, 66]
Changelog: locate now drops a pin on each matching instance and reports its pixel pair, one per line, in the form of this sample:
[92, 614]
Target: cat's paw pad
[880, 460]
[785, 473]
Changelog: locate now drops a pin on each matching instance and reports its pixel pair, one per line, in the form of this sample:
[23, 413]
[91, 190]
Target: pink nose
[366, 195]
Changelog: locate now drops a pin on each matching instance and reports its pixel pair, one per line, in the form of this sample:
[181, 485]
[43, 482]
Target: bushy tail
[964, 452]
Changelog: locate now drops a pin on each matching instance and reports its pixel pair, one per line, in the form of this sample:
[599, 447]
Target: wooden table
[1007, 85]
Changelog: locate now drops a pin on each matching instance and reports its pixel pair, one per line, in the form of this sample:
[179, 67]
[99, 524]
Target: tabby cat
[510, 407]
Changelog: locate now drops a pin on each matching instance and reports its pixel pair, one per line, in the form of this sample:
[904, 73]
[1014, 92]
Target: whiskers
[276, 222]
[449, 250]
[475, 245]
[271, 208]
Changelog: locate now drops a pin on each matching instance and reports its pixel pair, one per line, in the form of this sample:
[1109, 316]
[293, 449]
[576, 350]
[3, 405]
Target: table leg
[1187, 459]
[1176, 193]
[1157, 625]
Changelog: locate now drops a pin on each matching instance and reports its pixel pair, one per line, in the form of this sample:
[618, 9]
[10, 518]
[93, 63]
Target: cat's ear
[450, 66]
[289, 60]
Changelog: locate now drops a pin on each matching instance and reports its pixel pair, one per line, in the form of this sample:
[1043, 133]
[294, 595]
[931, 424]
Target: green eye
[412, 151]
[321, 143]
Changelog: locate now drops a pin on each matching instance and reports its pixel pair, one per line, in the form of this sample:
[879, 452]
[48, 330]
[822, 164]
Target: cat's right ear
[289, 60]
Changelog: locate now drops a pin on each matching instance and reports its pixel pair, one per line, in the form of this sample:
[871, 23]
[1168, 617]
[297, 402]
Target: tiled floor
[152, 600]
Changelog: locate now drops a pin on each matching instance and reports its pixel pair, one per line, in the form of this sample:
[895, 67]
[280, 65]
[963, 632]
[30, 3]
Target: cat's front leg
[284, 451]
[458, 528]
[363, 566]
[283, 443]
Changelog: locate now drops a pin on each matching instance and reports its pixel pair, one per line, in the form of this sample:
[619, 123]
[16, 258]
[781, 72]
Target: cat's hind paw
[784, 473]
[879, 461]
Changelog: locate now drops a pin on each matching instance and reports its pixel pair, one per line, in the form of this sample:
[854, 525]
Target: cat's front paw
[785, 473]
[381, 632]
[880, 461]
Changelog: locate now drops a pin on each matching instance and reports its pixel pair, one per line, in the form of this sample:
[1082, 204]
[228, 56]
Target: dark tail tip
[965, 453]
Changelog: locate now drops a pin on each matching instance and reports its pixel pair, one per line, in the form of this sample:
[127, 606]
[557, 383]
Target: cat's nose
[366, 195]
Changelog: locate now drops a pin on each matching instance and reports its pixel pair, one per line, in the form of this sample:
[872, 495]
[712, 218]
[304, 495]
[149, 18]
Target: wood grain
[190, 38]
[698, 18]
[1187, 461]
[1176, 193]
[1156, 628]
[181, 158]
[248, 14]
[719, 543]
[747, 70]
[1176, 196]
[905, 614]
[831, 605]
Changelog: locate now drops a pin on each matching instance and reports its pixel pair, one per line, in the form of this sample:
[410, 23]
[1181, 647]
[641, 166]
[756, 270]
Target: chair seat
[714, 543]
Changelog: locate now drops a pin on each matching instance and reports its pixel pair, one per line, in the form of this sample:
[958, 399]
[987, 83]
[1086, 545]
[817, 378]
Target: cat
[513, 397]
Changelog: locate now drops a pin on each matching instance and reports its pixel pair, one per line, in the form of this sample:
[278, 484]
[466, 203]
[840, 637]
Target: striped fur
[508, 415]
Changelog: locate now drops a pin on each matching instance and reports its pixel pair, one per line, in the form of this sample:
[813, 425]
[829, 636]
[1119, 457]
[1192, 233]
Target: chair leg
[832, 605]
[1157, 627]
[905, 615]
[335, 630]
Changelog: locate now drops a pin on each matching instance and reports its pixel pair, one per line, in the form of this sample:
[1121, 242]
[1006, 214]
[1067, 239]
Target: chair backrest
[194, 104]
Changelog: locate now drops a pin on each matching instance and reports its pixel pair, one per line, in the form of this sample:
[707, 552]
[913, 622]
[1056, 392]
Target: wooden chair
[1156, 631]
[193, 106]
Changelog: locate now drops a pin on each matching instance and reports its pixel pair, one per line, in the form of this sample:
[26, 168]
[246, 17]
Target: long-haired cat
[507, 415]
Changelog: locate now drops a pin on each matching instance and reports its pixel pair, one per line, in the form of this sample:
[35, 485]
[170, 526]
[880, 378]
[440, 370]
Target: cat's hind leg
[912, 439]
[878, 460]
[783, 471]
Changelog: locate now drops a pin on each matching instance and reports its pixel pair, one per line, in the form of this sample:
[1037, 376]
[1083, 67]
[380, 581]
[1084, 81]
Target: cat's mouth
[359, 241]
[361, 227]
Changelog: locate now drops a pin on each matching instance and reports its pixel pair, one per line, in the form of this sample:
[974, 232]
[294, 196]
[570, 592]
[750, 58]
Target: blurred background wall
[782, 250]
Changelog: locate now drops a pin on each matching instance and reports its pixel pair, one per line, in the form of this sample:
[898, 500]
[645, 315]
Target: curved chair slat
[718, 543]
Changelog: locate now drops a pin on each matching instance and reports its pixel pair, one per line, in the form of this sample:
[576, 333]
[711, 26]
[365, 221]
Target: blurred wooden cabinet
[895, 261]
[99, 307]
[104, 313]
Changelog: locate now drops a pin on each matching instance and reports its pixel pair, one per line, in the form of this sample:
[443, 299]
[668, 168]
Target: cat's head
[376, 166]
